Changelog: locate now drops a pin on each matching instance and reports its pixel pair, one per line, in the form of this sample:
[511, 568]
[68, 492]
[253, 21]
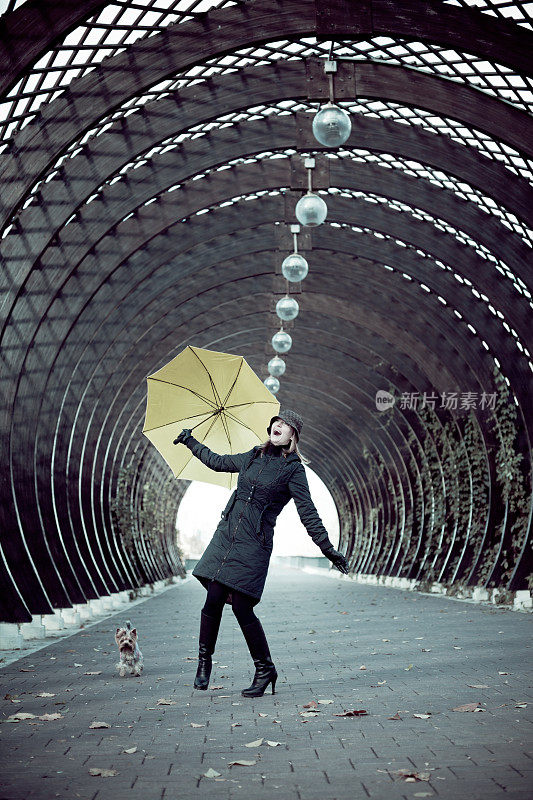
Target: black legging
[241, 604]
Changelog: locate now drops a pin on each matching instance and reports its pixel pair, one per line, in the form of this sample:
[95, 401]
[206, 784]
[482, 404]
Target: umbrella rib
[186, 388]
[217, 397]
[234, 382]
[173, 421]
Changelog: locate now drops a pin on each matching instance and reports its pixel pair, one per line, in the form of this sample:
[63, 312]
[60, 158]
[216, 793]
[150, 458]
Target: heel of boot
[274, 679]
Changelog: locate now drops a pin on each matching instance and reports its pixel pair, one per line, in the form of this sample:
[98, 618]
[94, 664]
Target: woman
[234, 565]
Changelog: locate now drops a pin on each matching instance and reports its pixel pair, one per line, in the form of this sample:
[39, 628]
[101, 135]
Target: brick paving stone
[321, 632]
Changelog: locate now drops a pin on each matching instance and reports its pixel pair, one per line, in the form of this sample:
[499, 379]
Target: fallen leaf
[99, 725]
[422, 716]
[455, 647]
[197, 724]
[273, 744]
[396, 716]
[325, 702]
[309, 713]
[408, 668]
[362, 667]
[163, 702]
[278, 721]
[410, 776]
[212, 773]
[477, 685]
[425, 650]
[311, 704]
[241, 762]
[218, 687]
[49, 717]
[236, 725]
[21, 715]
[262, 715]
[521, 705]
[469, 707]
[499, 673]
[423, 794]
[103, 773]
[130, 750]
[354, 713]
[45, 694]
[255, 743]
[78, 665]
[31, 669]
[94, 673]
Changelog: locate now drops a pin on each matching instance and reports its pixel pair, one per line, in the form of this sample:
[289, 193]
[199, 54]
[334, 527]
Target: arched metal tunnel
[152, 154]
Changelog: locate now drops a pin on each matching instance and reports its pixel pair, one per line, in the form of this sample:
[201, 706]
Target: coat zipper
[239, 521]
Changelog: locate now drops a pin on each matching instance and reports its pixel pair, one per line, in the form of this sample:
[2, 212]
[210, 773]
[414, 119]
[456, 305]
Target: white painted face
[281, 433]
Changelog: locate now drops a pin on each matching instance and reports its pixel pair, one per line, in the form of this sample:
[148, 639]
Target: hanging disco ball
[281, 342]
[276, 366]
[294, 268]
[272, 384]
[287, 308]
[311, 210]
[331, 126]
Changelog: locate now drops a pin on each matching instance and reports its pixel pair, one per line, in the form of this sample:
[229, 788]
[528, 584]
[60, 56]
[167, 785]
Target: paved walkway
[407, 659]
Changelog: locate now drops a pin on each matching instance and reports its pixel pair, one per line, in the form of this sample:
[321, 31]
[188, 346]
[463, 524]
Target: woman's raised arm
[229, 463]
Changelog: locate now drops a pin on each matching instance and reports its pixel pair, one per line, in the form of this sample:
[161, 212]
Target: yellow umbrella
[219, 397]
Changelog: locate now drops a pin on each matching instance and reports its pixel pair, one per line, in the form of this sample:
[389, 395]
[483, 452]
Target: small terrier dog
[131, 658]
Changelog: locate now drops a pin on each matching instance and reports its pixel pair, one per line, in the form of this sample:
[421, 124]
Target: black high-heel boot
[206, 647]
[265, 671]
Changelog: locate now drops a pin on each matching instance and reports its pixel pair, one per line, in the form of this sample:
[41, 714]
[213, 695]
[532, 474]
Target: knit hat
[291, 418]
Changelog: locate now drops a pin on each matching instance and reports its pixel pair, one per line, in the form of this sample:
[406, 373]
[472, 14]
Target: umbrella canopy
[219, 397]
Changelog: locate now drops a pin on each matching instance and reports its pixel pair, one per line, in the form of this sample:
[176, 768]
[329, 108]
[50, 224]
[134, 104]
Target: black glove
[337, 559]
[184, 436]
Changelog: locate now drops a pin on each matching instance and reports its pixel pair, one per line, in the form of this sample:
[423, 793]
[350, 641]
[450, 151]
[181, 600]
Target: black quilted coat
[238, 555]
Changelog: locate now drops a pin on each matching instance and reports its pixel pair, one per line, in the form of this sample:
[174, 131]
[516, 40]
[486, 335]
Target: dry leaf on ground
[242, 763]
[97, 724]
[353, 713]
[236, 725]
[103, 773]
[521, 705]
[262, 715]
[410, 776]
[93, 673]
[130, 750]
[218, 687]
[422, 716]
[477, 686]
[396, 716]
[469, 707]
[197, 724]
[49, 717]
[313, 713]
[362, 666]
[164, 702]
[212, 773]
[325, 702]
[255, 743]
[21, 715]
[311, 704]
[45, 694]
[273, 744]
